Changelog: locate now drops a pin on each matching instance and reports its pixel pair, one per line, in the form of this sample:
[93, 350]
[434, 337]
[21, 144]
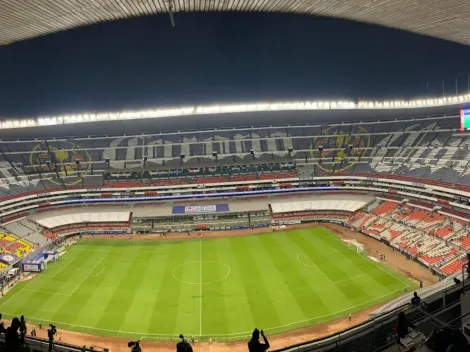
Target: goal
[355, 246]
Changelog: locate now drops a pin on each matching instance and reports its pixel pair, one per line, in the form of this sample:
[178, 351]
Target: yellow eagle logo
[65, 155]
[335, 143]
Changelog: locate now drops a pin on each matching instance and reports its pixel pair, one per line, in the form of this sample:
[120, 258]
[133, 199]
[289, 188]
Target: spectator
[416, 300]
[12, 337]
[254, 345]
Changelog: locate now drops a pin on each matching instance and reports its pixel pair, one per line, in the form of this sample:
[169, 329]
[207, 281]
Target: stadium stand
[417, 231]
[428, 151]
[426, 148]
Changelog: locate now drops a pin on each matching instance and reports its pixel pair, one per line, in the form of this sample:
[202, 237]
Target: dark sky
[221, 57]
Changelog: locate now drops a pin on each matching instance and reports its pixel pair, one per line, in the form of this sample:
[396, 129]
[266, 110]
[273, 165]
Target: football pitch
[219, 288]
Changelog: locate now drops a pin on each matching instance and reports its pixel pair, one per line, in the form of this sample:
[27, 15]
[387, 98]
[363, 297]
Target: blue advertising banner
[199, 209]
[9, 258]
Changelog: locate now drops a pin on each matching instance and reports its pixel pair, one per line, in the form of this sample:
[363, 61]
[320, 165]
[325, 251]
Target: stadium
[180, 229]
[325, 223]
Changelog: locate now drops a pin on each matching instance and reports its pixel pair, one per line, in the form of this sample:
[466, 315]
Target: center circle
[201, 272]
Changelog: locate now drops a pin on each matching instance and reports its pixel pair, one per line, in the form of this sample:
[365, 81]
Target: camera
[183, 345]
[134, 346]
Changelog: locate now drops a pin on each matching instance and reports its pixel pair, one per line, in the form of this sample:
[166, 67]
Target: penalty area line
[86, 277]
[376, 264]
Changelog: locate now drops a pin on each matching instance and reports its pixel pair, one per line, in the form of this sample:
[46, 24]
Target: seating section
[435, 237]
[13, 245]
[213, 179]
[385, 208]
[454, 266]
[426, 148]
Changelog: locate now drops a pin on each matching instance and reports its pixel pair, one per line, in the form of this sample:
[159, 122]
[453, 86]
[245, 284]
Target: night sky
[221, 57]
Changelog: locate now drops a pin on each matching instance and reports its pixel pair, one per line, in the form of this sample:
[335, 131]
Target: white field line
[314, 265]
[227, 335]
[340, 281]
[66, 265]
[349, 260]
[13, 295]
[99, 273]
[200, 287]
[70, 262]
[86, 277]
[377, 265]
[356, 277]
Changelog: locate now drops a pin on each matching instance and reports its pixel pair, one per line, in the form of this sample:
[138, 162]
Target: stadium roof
[445, 19]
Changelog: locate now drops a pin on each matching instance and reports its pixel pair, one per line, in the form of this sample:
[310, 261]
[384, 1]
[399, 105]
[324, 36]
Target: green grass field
[219, 288]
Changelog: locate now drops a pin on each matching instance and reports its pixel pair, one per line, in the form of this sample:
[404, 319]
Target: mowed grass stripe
[372, 279]
[290, 289]
[253, 280]
[390, 280]
[326, 297]
[115, 308]
[328, 264]
[343, 255]
[238, 312]
[135, 291]
[216, 300]
[189, 304]
[99, 289]
[44, 304]
[144, 297]
[172, 307]
[81, 299]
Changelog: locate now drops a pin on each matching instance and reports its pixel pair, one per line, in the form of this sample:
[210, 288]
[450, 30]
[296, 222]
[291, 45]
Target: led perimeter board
[465, 120]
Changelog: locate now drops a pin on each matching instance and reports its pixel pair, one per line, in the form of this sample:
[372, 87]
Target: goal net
[355, 246]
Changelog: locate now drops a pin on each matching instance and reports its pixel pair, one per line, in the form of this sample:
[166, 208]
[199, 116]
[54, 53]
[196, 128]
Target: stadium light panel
[233, 108]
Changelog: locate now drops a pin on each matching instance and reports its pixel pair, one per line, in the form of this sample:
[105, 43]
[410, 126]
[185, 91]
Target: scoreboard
[465, 120]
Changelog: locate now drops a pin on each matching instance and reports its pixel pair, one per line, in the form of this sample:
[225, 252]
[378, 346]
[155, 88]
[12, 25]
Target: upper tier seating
[427, 148]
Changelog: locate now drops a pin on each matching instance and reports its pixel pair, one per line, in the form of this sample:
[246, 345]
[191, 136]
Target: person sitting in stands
[254, 345]
[416, 300]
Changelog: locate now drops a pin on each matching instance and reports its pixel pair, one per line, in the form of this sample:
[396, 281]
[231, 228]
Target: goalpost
[356, 246]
